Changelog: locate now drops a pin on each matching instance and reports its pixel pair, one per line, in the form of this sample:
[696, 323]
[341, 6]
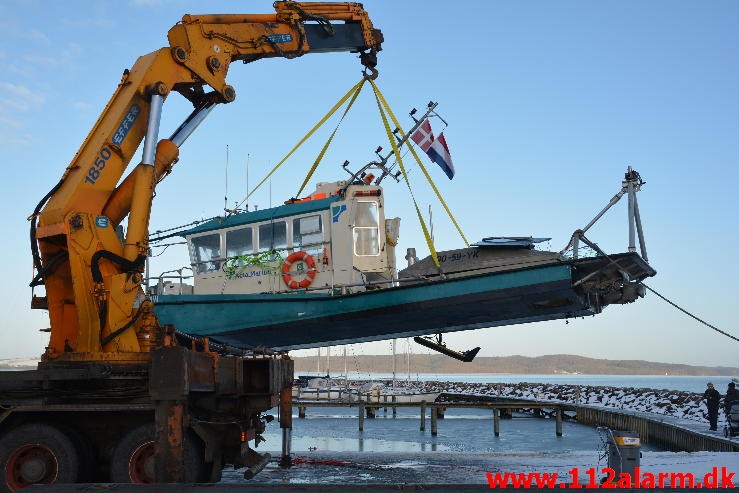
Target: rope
[674, 305]
[394, 145]
[177, 229]
[310, 132]
[331, 138]
[165, 247]
[420, 164]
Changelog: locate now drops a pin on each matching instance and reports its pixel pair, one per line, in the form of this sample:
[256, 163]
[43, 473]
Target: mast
[394, 363]
[346, 374]
[408, 358]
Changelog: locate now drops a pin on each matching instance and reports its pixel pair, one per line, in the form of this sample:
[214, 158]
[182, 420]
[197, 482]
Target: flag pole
[402, 140]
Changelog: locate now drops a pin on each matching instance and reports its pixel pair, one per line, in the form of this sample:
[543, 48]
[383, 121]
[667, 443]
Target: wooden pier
[653, 429]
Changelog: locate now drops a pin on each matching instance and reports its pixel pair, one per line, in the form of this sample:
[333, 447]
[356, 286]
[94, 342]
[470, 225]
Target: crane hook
[369, 60]
[370, 73]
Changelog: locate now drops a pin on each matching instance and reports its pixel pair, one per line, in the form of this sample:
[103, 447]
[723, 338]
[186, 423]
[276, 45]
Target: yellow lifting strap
[353, 91]
[420, 164]
[396, 151]
[331, 138]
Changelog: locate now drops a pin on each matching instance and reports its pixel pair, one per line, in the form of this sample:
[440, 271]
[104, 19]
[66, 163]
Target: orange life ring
[309, 276]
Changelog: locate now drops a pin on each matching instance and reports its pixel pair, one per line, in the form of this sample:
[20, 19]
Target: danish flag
[424, 137]
[436, 148]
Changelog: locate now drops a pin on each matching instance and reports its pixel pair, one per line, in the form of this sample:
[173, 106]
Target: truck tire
[37, 453]
[87, 457]
[133, 457]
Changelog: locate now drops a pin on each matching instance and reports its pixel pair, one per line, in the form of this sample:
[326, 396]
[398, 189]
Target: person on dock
[712, 398]
[731, 397]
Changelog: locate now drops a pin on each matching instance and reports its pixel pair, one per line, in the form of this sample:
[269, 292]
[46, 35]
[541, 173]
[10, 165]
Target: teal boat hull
[305, 320]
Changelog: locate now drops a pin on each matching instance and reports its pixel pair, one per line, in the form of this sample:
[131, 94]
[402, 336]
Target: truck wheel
[87, 457]
[36, 453]
[133, 457]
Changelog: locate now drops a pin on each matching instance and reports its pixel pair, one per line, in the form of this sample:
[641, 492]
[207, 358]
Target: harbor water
[329, 448]
[327, 429]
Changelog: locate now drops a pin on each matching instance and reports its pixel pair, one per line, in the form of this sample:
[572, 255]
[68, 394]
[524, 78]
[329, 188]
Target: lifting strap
[396, 151]
[420, 164]
[353, 91]
[331, 138]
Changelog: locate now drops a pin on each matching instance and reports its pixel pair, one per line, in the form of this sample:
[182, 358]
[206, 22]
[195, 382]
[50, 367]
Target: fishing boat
[322, 271]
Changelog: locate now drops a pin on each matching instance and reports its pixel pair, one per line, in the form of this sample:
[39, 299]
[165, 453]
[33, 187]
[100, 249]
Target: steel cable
[686, 312]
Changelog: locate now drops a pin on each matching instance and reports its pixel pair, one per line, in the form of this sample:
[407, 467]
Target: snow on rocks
[675, 403]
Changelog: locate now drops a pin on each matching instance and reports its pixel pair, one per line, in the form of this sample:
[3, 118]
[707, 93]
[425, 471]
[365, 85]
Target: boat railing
[343, 288]
[631, 184]
[177, 274]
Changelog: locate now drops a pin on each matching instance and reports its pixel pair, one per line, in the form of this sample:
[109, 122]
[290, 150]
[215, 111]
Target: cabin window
[307, 231]
[366, 229]
[239, 242]
[273, 236]
[206, 253]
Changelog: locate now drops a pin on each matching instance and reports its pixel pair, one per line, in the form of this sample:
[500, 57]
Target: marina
[667, 434]
[182, 369]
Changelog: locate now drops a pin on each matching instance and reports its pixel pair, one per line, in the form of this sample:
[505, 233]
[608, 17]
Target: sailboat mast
[346, 374]
[408, 358]
[395, 341]
[318, 362]
[225, 194]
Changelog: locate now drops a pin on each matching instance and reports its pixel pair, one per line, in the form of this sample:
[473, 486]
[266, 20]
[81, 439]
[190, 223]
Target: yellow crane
[115, 396]
[93, 279]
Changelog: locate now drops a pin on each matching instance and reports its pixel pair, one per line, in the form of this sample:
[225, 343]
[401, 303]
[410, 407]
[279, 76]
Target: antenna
[431, 222]
[247, 181]
[225, 195]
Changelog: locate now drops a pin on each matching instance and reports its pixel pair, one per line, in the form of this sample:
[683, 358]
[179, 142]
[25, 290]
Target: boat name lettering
[253, 273]
[454, 257]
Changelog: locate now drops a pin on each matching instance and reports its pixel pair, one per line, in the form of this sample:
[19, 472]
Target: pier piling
[496, 422]
[361, 417]
[301, 412]
[395, 408]
[559, 422]
[423, 416]
[434, 421]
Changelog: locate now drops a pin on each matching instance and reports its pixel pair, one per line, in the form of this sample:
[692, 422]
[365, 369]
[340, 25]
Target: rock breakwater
[674, 403]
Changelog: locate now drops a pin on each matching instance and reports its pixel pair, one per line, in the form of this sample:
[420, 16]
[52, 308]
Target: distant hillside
[18, 364]
[425, 363]
[552, 364]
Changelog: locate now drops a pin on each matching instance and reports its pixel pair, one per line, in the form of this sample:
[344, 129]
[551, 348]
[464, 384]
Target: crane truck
[117, 396]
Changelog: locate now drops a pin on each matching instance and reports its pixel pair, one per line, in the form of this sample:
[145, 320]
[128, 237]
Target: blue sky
[548, 103]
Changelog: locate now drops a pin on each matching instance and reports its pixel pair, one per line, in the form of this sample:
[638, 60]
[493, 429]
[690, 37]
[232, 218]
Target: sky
[547, 105]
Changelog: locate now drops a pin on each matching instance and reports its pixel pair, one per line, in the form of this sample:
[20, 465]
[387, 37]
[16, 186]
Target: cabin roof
[262, 215]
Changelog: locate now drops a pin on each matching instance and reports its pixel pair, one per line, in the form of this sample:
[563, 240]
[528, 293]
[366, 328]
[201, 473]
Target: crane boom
[92, 279]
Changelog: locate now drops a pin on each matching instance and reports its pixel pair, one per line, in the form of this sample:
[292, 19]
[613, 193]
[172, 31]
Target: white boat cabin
[335, 241]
